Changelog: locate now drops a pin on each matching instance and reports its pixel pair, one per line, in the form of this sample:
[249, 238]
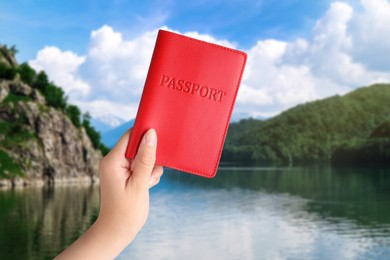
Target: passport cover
[188, 98]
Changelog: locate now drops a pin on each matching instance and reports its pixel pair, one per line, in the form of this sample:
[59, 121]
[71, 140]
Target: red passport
[188, 98]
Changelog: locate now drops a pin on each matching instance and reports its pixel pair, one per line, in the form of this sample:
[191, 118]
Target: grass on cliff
[8, 167]
[13, 98]
[54, 95]
[14, 134]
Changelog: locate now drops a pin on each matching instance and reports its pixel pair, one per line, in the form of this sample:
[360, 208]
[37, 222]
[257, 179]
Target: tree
[55, 97]
[13, 50]
[7, 72]
[27, 74]
[94, 135]
[312, 132]
[74, 114]
[41, 82]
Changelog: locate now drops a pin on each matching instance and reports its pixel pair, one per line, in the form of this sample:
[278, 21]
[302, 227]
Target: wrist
[100, 241]
[112, 238]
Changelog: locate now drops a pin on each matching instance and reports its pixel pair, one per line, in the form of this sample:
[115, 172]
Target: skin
[124, 200]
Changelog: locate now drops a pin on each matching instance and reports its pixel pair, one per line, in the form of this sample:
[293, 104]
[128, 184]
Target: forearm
[100, 241]
[124, 205]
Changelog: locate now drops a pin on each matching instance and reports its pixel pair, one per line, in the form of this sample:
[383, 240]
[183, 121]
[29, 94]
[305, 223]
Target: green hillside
[342, 126]
[39, 130]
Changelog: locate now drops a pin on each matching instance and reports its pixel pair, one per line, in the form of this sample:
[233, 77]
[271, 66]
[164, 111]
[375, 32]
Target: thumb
[145, 159]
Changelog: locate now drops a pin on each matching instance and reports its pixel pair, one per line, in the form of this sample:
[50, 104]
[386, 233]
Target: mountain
[42, 137]
[375, 150]
[106, 123]
[236, 117]
[111, 137]
[328, 130]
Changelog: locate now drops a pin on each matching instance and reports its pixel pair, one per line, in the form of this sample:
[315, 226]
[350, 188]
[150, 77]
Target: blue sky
[33, 24]
[298, 50]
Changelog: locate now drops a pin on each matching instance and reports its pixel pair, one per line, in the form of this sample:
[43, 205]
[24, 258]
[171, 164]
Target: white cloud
[347, 49]
[209, 38]
[269, 85]
[332, 52]
[106, 108]
[114, 67]
[325, 54]
[369, 33]
[339, 56]
[62, 68]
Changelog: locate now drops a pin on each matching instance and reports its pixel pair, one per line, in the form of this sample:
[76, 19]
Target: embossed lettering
[204, 91]
[164, 80]
[212, 93]
[192, 88]
[180, 84]
[222, 93]
[187, 87]
[171, 83]
[195, 88]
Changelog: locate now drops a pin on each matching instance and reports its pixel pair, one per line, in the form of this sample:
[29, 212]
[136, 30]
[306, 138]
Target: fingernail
[152, 181]
[151, 138]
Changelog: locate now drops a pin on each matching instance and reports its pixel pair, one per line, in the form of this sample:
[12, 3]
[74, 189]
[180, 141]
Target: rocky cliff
[39, 143]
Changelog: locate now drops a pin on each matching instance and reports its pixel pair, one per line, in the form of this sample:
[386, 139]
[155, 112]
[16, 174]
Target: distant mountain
[106, 123]
[239, 116]
[236, 116]
[334, 129]
[111, 137]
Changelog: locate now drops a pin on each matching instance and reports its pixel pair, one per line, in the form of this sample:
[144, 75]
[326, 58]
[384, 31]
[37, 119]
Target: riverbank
[20, 183]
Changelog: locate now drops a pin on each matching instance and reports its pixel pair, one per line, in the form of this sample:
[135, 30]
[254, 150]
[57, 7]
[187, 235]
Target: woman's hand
[124, 200]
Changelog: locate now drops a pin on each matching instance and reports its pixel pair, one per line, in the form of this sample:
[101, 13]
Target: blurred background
[305, 170]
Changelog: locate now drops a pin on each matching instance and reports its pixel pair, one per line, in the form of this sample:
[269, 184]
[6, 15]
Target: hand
[124, 203]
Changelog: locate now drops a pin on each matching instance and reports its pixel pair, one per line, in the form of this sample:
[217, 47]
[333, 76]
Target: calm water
[244, 213]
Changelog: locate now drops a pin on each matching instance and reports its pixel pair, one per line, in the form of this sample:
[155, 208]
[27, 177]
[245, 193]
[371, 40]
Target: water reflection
[268, 213]
[357, 194]
[244, 213]
[37, 223]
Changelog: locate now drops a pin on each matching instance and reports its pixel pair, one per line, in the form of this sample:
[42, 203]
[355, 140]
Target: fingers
[156, 175]
[118, 152]
[144, 160]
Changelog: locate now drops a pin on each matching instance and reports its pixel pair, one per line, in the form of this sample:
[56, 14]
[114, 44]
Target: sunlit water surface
[244, 213]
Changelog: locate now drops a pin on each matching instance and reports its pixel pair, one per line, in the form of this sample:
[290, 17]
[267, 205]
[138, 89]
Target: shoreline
[20, 183]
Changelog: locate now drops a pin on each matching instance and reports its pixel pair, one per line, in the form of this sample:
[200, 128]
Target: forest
[353, 129]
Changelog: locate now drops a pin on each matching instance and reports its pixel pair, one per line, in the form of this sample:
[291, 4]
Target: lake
[243, 213]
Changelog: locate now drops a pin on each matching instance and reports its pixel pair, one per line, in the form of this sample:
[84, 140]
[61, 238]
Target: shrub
[55, 97]
[27, 74]
[94, 135]
[7, 72]
[104, 149]
[41, 82]
[8, 167]
[74, 114]
[12, 98]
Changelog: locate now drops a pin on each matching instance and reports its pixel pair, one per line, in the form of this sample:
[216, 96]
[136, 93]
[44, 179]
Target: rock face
[51, 148]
